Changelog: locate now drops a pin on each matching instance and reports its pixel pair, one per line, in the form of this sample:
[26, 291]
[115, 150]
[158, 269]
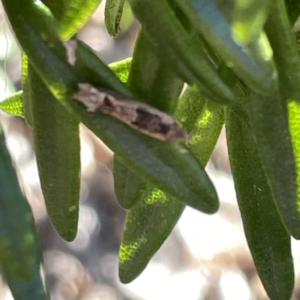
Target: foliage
[242, 68]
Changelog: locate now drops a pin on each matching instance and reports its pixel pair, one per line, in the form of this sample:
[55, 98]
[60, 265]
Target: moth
[138, 115]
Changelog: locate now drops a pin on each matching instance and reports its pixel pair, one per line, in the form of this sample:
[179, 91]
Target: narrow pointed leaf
[269, 121]
[147, 227]
[57, 147]
[20, 257]
[267, 238]
[283, 42]
[55, 133]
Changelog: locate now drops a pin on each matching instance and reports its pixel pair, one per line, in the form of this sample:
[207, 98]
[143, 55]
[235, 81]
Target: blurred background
[206, 256]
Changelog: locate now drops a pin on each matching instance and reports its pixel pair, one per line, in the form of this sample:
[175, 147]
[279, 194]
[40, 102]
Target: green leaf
[122, 68]
[75, 16]
[294, 128]
[27, 110]
[13, 104]
[203, 120]
[36, 30]
[147, 226]
[181, 48]
[152, 77]
[57, 7]
[249, 17]
[284, 46]
[55, 130]
[113, 15]
[57, 147]
[34, 289]
[269, 122]
[20, 256]
[293, 10]
[267, 238]
[128, 185]
[209, 21]
[189, 107]
[71, 14]
[100, 74]
[206, 131]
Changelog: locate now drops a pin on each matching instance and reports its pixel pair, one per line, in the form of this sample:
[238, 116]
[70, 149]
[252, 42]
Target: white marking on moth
[71, 47]
[138, 115]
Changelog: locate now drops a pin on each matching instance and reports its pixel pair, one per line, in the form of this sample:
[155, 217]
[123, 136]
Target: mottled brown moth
[138, 115]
